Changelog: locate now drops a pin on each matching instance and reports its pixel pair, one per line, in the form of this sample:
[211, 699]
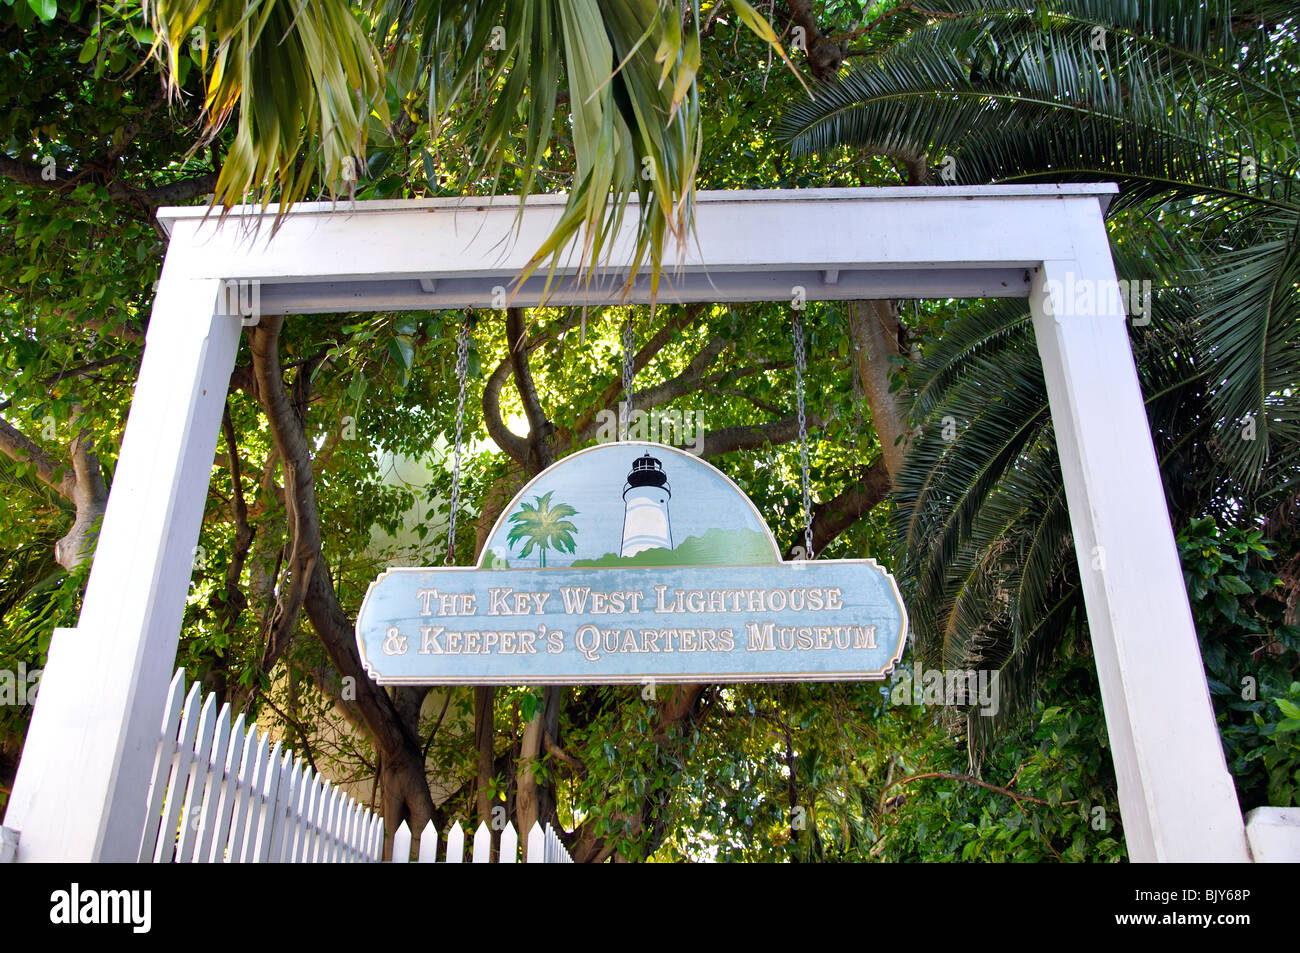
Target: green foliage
[298, 81]
[840, 773]
[1189, 107]
[1251, 657]
[306, 86]
[1057, 760]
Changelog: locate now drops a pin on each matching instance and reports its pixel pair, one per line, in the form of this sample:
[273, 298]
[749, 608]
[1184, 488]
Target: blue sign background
[766, 619]
[868, 611]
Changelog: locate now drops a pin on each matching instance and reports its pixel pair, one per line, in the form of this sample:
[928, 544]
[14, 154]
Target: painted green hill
[717, 547]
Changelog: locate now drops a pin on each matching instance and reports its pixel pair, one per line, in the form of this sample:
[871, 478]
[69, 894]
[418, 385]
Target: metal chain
[462, 368]
[629, 342]
[800, 363]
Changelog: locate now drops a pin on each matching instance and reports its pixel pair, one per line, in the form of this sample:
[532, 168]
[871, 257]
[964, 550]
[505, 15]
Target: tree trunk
[405, 789]
[874, 328]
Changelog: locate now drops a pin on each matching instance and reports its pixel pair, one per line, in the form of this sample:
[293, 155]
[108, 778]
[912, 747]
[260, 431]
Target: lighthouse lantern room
[645, 516]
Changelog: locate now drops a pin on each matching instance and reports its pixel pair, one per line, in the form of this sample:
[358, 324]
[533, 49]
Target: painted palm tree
[1191, 107]
[543, 525]
[306, 84]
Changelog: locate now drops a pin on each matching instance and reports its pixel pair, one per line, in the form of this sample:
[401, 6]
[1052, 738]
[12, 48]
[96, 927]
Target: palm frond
[299, 81]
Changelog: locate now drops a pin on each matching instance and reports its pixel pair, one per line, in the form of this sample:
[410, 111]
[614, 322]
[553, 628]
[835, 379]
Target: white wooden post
[209, 818]
[535, 845]
[509, 851]
[164, 762]
[429, 843]
[375, 846]
[1176, 797]
[183, 763]
[241, 739]
[200, 782]
[94, 730]
[402, 844]
[455, 845]
[481, 849]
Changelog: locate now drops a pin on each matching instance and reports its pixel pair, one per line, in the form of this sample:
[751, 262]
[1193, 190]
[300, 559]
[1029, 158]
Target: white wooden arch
[77, 795]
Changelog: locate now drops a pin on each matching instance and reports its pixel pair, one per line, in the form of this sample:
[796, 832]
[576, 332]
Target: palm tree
[1188, 105]
[304, 83]
[544, 526]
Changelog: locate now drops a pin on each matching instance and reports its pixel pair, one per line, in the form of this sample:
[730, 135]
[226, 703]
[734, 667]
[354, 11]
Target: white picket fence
[544, 846]
[222, 792]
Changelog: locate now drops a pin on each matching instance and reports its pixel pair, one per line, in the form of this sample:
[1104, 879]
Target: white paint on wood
[182, 762]
[240, 740]
[377, 837]
[212, 788]
[283, 815]
[509, 851]
[306, 805]
[556, 853]
[269, 792]
[1274, 834]
[535, 849]
[481, 852]
[78, 792]
[225, 793]
[324, 814]
[455, 845]
[490, 241]
[428, 843]
[191, 811]
[357, 815]
[1176, 797]
[165, 750]
[254, 743]
[402, 843]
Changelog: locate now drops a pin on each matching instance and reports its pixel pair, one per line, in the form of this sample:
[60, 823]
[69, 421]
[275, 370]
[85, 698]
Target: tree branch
[658, 341]
[82, 484]
[122, 331]
[574, 764]
[90, 496]
[18, 446]
[835, 516]
[304, 533]
[824, 54]
[730, 439]
[1014, 795]
[874, 329]
[234, 601]
[405, 788]
[146, 199]
[515, 446]
[539, 428]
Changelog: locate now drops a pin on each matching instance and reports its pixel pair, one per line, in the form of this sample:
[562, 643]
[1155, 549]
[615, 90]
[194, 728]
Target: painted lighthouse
[645, 515]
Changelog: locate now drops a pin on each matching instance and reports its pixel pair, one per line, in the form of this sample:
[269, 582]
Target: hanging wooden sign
[632, 562]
